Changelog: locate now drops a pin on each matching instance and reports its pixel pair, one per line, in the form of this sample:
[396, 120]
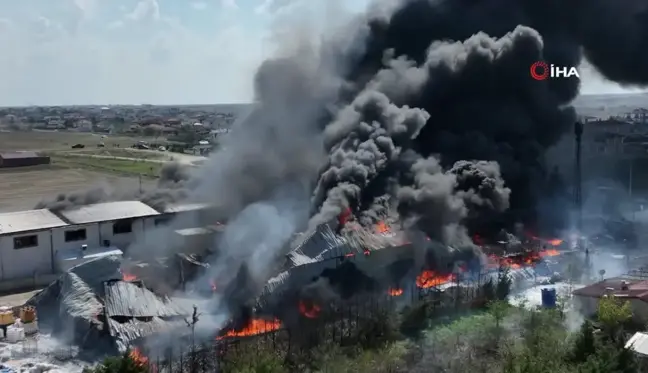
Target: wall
[124, 239]
[18, 263]
[589, 306]
[93, 239]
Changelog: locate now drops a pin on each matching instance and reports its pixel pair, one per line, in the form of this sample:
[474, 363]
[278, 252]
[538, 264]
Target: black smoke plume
[466, 64]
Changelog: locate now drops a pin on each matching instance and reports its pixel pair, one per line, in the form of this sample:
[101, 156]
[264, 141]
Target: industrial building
[44, 242]
[633, 290]
[22, 159]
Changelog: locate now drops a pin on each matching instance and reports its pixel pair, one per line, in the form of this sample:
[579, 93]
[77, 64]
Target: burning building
[97, 304]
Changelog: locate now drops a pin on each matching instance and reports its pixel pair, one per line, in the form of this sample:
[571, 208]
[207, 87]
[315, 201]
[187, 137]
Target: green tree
[584, 344]
[612, 314]
[119, 364]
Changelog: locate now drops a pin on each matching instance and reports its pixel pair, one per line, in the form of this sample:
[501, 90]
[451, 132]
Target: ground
[22, 189]
[75, 169]
[17, 299]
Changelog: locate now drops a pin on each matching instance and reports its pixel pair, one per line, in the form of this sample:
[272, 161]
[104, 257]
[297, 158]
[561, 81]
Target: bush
[119, 364]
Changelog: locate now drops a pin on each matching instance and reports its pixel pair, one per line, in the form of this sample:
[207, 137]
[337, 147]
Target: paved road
[187, 159]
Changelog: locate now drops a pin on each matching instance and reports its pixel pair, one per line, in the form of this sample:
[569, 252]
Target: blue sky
[153, 51]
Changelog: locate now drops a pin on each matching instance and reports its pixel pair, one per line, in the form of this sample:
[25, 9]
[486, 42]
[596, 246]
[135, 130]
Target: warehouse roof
[30, 220]
[16, 155]
[179, 207]
[108, 211]
[638, 343]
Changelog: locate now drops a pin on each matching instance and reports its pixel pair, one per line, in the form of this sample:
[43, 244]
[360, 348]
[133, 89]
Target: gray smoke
[439, 201]
[173, 185]
[361, 142]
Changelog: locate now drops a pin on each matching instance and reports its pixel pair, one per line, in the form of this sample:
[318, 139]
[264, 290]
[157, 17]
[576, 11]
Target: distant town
[172, 126]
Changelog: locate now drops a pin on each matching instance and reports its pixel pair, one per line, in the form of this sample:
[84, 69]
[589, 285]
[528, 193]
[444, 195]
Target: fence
[362, 320]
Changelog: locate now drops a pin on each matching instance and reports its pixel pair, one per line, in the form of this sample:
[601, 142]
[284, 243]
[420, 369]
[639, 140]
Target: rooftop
[185, 207]
[30, 220]
[108, 211]
[635, 289]
[15, 155]
[638, 343]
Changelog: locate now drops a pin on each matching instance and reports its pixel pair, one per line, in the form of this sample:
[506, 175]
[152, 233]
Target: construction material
[15, 334]
[28, 314]
[6, 317]
[31, 328]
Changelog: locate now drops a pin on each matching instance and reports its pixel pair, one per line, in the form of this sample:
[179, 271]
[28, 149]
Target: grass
[117, 166]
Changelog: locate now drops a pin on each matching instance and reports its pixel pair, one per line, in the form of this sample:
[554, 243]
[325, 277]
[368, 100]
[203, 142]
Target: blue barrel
[548, 298]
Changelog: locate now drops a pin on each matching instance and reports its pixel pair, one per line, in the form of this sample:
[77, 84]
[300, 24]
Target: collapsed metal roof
[133, 299]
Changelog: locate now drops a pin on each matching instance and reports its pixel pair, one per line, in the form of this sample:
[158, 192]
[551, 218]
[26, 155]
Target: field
[71, 169]
[22, 189]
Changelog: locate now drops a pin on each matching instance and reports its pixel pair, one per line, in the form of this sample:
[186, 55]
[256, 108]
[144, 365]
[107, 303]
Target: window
[123, 226]
[24, 242]
[162, 221]
[77, 235]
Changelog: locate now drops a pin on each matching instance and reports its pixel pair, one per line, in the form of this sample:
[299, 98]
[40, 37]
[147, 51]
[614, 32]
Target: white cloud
[137, 54]
[229, 4]
[145, 8]
[199, 5]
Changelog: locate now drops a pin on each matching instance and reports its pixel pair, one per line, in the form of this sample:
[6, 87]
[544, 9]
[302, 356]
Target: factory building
[110, 224]
[22, 159]
[44, 242]
[26, 246]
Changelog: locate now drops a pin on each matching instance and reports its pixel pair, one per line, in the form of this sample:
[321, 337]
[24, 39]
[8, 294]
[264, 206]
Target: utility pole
[578, 202]
[192, 324]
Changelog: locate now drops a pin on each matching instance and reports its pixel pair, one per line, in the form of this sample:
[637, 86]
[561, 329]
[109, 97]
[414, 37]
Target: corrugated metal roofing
[108, 211]
[179, 207]
[131, 299]
[30, 220]
[638, 343]
[133, 329]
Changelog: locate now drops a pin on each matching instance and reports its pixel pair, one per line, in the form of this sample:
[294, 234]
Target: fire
[254, 327]
[309, 309]
[344, 216]
[139, 358]
[550, 252]
[428, 279]
[382, 227]
[395, 292]
[127, 276]
[555, 242]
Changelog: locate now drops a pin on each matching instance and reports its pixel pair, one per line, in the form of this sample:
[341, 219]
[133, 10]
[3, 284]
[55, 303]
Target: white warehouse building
[26, 243]
[33, 243]
[110, 224]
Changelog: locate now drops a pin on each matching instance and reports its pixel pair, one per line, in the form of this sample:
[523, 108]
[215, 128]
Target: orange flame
[254, 327]
[428, 279]
[382, 227]
[395, 292]
[555, 242]
[137, 356]
[309, 309]
[127, 276]
[550, 252]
